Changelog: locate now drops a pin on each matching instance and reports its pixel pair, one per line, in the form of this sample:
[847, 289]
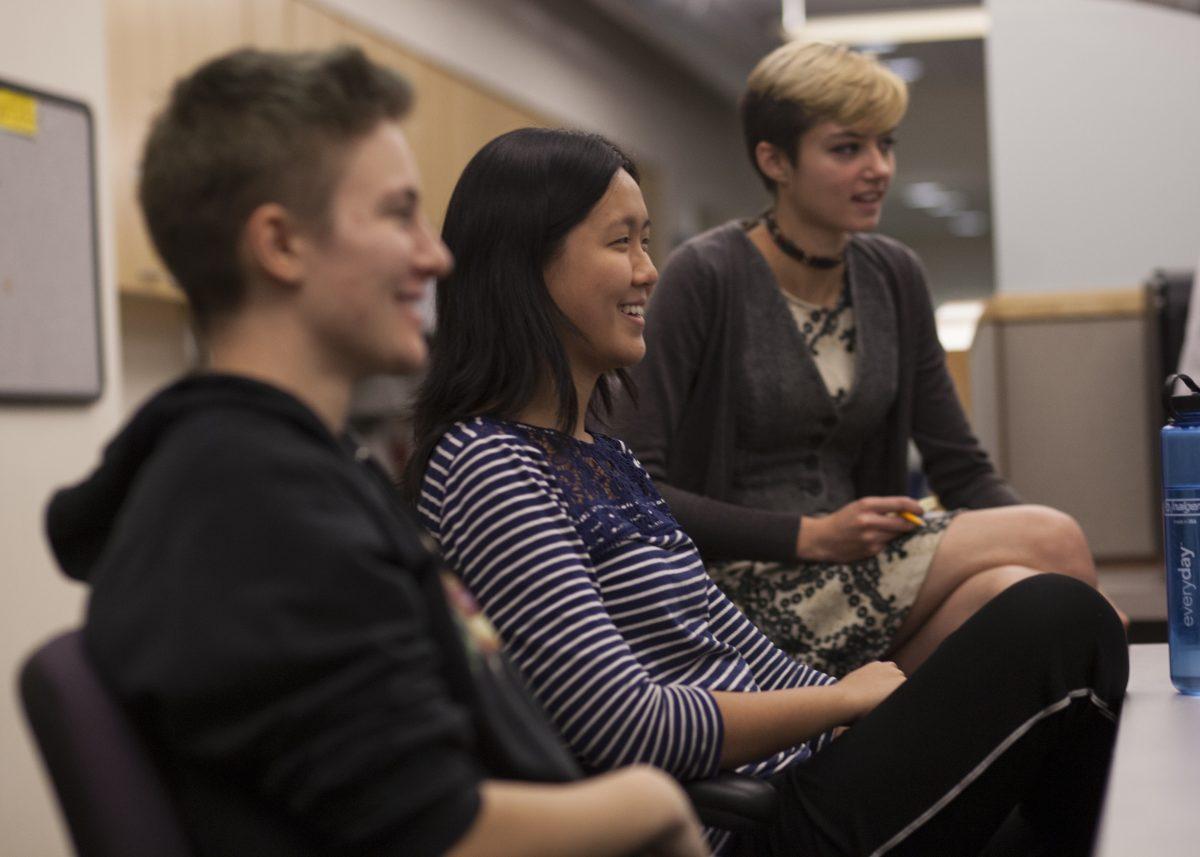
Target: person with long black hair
[603, 601]
[261, 604]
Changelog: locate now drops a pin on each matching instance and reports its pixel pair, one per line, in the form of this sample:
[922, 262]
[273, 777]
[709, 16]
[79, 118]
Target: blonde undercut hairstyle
[802, 84]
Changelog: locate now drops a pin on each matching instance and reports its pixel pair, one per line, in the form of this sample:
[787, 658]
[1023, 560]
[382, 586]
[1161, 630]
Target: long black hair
[498, 326]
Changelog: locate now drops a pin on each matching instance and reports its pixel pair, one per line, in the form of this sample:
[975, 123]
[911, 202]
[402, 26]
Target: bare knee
[981, 588]
[1057, 543]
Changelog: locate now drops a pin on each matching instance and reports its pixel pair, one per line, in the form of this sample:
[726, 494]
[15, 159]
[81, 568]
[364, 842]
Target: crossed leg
[983, 553]
[992, 721]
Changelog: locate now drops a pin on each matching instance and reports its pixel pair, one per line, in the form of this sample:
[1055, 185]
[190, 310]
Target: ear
[773, 162]
[273, 245]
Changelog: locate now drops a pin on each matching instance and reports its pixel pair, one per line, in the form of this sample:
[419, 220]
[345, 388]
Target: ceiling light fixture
[918, 25]
[908, 69]
[924, 195]
[952, 202]
[879, 48]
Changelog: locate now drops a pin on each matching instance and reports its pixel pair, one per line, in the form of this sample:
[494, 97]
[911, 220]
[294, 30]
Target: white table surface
[1153, 802]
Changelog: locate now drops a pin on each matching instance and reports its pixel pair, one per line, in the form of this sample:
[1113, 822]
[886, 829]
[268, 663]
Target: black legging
[1009, 724]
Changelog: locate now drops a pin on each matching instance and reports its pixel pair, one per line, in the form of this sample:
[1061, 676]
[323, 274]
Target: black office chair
[733, 801]
[115, 801]
[1168, 293]
[1168, 296]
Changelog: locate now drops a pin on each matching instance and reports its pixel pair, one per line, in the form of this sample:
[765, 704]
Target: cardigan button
[811, 460]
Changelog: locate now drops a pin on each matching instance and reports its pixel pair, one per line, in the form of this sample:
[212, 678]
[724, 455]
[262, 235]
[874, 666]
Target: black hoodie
[271, 620]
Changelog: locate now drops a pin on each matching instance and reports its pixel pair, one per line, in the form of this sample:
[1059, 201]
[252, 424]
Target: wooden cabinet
[154, 42]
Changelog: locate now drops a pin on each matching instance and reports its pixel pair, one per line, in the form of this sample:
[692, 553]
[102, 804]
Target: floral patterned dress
[835, 616]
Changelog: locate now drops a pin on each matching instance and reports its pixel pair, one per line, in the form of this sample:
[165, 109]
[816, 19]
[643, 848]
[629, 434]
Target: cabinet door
[152, 43]
[264, 23]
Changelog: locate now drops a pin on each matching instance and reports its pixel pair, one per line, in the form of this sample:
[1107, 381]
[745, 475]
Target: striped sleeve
[772, 668]
[490, 502]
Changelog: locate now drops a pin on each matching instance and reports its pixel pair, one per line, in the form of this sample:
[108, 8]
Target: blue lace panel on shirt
[609, 497]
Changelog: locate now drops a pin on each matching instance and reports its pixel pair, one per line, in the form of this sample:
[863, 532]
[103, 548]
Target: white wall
[1094, 115]
[156, 346]
[56, 45]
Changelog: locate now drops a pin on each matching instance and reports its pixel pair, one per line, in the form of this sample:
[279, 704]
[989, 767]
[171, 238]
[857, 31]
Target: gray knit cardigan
[683, 431]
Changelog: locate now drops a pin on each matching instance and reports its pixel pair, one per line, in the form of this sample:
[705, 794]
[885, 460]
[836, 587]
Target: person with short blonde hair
[791, 360]
[801, 84]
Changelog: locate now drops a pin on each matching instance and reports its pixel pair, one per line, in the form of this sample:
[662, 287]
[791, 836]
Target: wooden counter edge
[1108, 303]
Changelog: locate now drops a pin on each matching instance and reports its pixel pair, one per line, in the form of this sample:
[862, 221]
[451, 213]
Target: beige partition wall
[1060, 397]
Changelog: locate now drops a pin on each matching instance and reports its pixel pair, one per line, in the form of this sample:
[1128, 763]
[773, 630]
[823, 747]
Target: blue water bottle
[1181, 528]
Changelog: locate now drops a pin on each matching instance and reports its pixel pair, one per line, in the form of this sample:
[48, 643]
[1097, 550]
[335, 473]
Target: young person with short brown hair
[259, 602]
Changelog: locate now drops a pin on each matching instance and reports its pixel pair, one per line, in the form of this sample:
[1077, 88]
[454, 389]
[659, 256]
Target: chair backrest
[1170, 293]
[115, 800]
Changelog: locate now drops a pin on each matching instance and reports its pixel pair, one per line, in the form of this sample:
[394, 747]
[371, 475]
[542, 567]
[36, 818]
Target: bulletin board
[50, 347]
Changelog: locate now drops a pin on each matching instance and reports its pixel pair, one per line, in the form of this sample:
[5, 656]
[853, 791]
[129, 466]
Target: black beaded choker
[821, 263]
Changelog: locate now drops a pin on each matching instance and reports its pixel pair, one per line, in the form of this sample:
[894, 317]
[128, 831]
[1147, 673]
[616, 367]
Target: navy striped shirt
[601, 600]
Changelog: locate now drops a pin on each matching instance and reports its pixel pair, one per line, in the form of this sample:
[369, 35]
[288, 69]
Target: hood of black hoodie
[79, 519]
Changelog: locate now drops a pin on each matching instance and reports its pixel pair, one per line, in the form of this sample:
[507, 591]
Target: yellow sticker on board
[18, 113]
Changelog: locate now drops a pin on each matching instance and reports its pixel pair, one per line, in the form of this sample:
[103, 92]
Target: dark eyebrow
[630, 222]
[858, 135]
[401, 198]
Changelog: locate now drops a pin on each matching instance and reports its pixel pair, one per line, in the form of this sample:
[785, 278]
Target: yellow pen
[911, 518]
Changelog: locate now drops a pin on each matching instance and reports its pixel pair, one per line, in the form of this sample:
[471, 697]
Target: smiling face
[601, 278]
[839, 177]
[369, 266]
